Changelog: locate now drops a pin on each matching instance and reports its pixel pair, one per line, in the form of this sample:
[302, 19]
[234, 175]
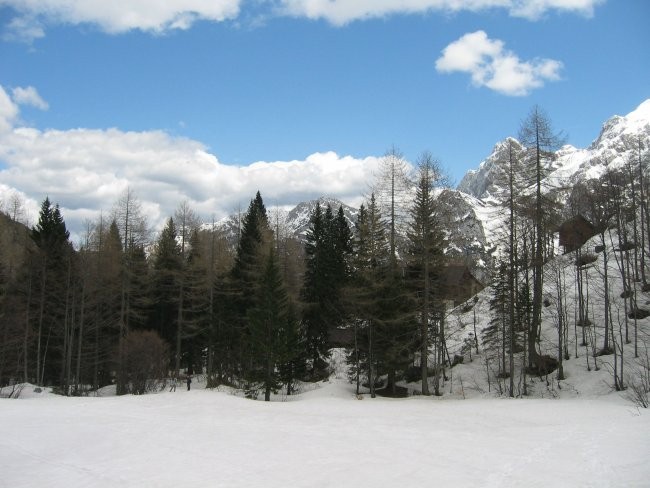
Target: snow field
[322, 438]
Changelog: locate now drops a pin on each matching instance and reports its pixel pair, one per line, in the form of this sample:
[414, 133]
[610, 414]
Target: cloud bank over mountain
[86, 170]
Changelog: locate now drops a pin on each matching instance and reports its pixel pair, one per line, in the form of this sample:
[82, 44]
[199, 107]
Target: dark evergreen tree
[254, 243]
[271, 330]
[167, 267]
[425, 258]
[379, 305]
[327, 252]
[396, 337]
[52, 287]
[496, 335]
[196, 298]
[292, 365]
[103, 285]
[370, 258]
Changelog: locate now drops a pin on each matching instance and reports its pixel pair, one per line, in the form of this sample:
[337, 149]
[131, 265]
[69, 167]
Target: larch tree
[132, 226]
[540, 140]
[187, 222]
[392, 190]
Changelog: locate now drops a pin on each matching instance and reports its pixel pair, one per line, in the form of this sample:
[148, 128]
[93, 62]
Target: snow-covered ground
[322, 438]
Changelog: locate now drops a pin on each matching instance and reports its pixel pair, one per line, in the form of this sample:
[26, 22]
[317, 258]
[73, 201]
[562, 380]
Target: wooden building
[459, 284]
[575, 232]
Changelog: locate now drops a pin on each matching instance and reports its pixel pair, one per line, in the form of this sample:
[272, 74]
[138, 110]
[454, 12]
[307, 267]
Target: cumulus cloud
[115, 16]
[9, 105]
[87, 170]
[491, 65]
[8, 111]
[29, 96]
[23, 29]
[340, 12]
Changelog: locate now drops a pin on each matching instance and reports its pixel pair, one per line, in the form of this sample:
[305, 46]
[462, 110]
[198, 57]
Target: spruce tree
[327, 249]
[271, 328]
[167, 267]
[52, 287]
[496, 334]
[369, 261]
[254, 243]
[425, 258]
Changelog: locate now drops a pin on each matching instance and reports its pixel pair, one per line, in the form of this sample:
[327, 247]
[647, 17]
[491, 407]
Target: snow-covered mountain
[618, 141]
[297, 219]
[476, 212]
[473, 212]
[294, 222]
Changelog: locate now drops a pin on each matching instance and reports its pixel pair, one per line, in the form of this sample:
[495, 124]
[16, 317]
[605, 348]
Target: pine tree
[396, 327]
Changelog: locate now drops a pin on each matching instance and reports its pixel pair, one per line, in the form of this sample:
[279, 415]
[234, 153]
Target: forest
[258, 312]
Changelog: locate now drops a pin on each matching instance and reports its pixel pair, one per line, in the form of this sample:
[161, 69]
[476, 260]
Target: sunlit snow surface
[322, 438]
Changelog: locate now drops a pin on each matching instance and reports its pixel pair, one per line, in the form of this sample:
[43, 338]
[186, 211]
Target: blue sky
[296, 98]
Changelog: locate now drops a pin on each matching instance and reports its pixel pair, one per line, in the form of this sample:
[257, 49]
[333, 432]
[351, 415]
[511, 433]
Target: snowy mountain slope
[297, 219]
[294, 222]
[587, 372]
[617, 142]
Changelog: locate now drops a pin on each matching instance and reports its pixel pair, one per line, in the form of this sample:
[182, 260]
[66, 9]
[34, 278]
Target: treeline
[257, 314]
[262, 313]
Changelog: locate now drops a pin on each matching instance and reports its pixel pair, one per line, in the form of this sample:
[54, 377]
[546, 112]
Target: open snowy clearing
[321, 438]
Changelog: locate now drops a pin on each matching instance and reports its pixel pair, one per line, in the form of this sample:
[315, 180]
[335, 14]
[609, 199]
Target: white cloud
[493, 66]
[23, 29]
[340, 12]
[114, 16]
[8, 111]
[29, 96]
[534, 9]
[158, 16]
[85, 171]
